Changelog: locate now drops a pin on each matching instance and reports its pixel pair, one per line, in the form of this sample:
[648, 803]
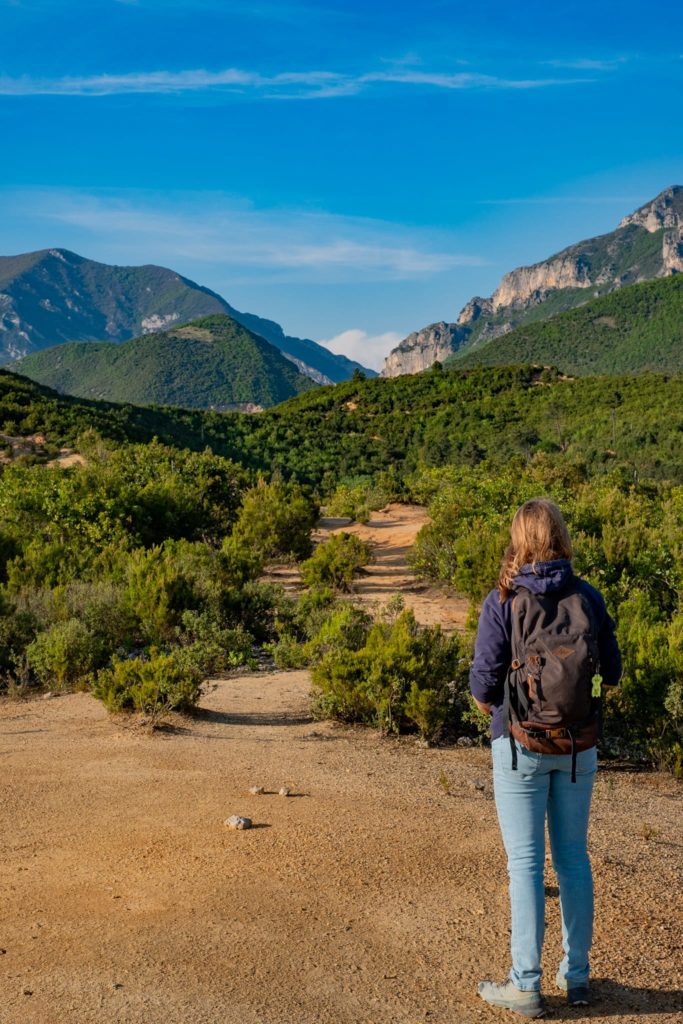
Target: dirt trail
[375, 894]
[391, 533]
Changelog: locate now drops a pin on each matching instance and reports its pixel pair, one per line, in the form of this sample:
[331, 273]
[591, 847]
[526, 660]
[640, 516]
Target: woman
[535, 606]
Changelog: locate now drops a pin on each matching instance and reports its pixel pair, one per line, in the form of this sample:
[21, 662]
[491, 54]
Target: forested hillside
[211, 362]
[628, 331]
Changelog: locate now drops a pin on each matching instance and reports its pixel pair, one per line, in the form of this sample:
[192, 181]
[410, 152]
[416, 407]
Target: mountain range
[647, 244]
[54, 295]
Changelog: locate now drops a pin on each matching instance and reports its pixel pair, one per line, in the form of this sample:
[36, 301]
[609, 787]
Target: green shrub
[211, 647]
[427, 709]
[336, 562]
[17, 630]
[357, 498]
[157, 592]
[383, 681]
[64, 655]
[345, 628]
[275, 521]
[152, 685]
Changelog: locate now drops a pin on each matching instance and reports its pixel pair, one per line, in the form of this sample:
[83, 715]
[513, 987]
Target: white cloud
[222, 230]
[587, 63]
[368, 349]
[313, 84]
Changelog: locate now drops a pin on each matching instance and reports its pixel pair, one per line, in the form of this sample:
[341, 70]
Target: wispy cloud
[586, 63]
[313, 84]
[368, 349]
[235, 235]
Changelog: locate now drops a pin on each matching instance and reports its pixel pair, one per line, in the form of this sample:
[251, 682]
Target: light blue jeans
[541, 786]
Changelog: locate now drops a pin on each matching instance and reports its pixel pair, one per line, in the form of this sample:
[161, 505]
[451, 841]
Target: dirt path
[371, 896]
[391, 533]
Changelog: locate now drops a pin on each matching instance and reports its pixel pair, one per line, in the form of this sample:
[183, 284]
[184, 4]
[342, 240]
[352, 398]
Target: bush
[402, 674]
[64, 655]
[336, 562]
[358, 497]
[153, 685]
[157, 592]
[275, 521]
[211, 647]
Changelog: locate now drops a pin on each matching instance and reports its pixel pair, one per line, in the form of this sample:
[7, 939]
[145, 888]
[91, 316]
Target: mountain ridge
[646, 244]
[55, 295]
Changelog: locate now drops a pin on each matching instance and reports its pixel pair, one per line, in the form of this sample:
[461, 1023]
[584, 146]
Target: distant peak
[664, 211]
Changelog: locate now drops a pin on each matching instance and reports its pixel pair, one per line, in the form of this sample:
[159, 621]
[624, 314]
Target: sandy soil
[391, 533]
[375, 894]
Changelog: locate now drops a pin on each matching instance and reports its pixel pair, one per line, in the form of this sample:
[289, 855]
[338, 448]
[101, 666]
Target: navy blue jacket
[493, 648]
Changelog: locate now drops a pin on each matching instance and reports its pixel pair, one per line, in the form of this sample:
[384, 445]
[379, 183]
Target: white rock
[285, 791]
[235, 821]
[256, 790]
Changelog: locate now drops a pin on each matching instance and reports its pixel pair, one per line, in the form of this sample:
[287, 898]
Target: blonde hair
[538, 534]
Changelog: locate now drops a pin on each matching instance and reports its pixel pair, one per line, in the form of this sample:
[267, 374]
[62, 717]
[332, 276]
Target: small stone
[49, 695]
[478, 785]
[235, 821]
[256, 790]
[284, 791]
[117, 984]
[27, 991]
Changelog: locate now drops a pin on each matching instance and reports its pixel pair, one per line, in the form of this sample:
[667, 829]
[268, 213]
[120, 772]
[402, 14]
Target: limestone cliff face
[588, 268]
[531, 283]
[421, 349]
[664, 213]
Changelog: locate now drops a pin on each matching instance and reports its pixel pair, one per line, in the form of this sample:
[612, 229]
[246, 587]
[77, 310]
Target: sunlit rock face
[647, 244]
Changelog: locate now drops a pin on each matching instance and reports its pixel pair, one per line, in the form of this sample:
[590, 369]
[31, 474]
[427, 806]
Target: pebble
[478, 785]
[235, 821]
[284, 791]
[256, 790]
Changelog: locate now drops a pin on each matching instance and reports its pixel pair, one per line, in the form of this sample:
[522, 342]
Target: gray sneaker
[509, 997]
[577, 995]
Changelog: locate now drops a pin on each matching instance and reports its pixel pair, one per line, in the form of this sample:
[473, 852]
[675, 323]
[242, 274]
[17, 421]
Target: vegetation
[392, 673]
[137, 573]
[634, 329]
[155, 546]
[212, 362]
[336, 562]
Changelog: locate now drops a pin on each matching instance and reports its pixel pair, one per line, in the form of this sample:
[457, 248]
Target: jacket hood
[544, 577]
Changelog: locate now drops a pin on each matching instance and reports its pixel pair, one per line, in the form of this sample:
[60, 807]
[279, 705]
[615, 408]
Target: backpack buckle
[516, 664]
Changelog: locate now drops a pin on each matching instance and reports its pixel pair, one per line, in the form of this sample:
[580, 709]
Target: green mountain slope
[54, 295]
[629, 331]
[484, 414]
[212, 362]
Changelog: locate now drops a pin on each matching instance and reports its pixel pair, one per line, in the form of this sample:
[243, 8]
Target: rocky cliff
[646, 244]
[422, 348]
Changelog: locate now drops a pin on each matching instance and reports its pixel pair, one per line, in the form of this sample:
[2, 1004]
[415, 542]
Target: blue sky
[352, 170]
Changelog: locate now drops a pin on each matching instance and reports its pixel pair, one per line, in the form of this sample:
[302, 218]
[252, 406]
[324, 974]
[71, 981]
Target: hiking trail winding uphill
[375, 894]
[391, 533]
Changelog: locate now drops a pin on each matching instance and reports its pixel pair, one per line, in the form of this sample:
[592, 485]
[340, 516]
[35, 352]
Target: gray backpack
[554, 674]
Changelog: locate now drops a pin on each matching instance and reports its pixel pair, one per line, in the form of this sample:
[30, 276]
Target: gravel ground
[370, 894]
